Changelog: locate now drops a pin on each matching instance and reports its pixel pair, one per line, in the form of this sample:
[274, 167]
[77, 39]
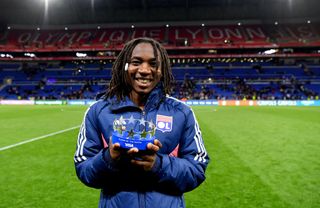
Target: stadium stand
[221, 61]
[236, 81]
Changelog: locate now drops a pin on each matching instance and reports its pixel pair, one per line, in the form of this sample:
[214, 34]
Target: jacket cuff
[157, 164]
[109, 162]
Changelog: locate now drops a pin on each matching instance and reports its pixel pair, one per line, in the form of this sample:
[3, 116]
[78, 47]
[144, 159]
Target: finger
[140, 162]
[153, 147]
[115, 151]
[146, 165]
[133, 150]
[116, 146]
[158, 143]
[148, 158]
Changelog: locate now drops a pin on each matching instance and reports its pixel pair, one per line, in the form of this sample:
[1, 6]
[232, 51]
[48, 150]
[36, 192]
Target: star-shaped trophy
[125, 133]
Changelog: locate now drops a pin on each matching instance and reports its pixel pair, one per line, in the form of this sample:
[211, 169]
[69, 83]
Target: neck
[138, 99]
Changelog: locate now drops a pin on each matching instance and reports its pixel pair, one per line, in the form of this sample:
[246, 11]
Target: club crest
[164, 123]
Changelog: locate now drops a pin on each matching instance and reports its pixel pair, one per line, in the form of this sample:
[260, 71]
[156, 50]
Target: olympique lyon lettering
[255, 33]
[152, 33]
[68, 37]
[181, 33]
[117, 35]
[192, 33]
[292, 32]
[305, 32]
[221, 33]
[84, 36]
[24, 37]
[52, 37]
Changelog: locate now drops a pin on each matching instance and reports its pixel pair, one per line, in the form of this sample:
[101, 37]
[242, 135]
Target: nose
[145, 68]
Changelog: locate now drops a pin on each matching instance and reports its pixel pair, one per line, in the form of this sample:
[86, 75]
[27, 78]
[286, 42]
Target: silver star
[131, 120]
[122, 121]
[151, 125]
[142, 121]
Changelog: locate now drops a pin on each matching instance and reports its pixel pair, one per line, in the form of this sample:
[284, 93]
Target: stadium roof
[68, 12]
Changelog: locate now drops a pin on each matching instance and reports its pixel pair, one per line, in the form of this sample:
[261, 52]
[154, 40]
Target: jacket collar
[153, 101]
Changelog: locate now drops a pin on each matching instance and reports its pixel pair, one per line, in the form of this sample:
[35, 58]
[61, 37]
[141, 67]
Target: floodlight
[81, 55]
[270, 51]
[32, 55]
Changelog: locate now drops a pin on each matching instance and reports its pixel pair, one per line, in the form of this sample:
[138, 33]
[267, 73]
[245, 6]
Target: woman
[172, 165]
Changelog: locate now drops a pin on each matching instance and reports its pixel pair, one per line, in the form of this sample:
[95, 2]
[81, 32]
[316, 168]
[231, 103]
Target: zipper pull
[143, 116]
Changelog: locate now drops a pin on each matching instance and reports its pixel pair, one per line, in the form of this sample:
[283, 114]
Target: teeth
[144, 81]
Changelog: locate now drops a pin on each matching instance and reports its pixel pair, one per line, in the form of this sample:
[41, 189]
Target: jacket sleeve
[187, 171]
[91, 159]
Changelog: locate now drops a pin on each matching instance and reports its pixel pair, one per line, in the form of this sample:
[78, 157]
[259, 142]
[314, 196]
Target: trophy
[125, 133]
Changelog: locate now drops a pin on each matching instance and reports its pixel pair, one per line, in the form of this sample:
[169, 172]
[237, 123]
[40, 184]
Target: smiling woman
[172, 163]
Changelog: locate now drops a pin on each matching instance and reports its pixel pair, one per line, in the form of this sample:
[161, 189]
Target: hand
[116, 151]
[147, 161]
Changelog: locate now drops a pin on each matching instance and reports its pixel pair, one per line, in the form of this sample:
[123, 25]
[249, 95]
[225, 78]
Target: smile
[143, 80]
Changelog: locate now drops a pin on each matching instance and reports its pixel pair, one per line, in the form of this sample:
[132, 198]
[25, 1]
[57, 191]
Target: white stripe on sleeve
[81, 140]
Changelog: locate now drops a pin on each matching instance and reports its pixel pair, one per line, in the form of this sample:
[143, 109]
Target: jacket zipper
[143, 112]
[142, 200]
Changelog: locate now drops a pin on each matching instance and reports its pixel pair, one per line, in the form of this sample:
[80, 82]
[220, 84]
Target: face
[144, 70]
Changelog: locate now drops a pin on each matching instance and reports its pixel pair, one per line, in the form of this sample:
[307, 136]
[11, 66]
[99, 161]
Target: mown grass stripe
[37, 138]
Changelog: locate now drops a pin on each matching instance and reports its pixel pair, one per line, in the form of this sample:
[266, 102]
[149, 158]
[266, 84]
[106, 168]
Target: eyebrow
[140, 59]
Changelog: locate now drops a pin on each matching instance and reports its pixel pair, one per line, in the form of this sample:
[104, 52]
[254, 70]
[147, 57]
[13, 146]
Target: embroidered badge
[164, 123]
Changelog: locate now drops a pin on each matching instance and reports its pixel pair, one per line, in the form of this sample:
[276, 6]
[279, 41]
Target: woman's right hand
[116, 151]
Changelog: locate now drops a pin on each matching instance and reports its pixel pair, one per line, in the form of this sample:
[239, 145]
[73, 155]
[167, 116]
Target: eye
[135, 62]
[154, 64]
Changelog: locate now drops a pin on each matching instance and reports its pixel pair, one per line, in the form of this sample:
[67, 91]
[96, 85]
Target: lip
[144, 82]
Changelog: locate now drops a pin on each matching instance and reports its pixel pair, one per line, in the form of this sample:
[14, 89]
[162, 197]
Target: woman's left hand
[147, 161]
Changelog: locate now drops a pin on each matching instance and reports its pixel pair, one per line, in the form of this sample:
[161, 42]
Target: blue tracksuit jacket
[180, 164]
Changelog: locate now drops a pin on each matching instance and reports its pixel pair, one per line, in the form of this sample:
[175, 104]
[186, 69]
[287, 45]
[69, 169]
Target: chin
[143, 91]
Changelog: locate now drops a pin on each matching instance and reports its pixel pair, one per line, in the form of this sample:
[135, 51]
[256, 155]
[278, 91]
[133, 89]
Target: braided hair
[119, 85]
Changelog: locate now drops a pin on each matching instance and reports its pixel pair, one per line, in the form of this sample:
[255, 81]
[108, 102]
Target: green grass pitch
[260, 157]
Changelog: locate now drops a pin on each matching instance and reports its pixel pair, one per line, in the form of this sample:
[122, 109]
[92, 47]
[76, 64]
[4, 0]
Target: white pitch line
[37, 138]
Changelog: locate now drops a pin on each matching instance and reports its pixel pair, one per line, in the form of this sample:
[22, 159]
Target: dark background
[68, 12]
